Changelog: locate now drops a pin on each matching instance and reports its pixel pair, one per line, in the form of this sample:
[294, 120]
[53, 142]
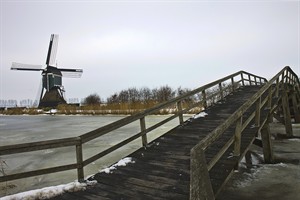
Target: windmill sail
[51, 56]
[26, 67]
[71, 73]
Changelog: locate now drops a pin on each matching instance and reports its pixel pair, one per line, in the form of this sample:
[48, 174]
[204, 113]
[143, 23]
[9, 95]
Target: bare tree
[93, 99]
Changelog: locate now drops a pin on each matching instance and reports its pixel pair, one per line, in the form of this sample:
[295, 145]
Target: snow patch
[122, 162]
[50, 192]
[256, 173]
[201, 114]
[294, 139]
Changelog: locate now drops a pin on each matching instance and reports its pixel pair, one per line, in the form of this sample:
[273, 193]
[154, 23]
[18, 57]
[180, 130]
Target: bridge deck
[162, 170]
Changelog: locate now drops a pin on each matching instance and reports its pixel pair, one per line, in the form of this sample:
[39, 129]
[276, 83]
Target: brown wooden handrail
[285, 76]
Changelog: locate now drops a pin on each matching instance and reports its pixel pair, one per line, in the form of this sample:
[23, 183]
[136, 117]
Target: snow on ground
[49, 192]
[122, 162]
[294, 139]
[53, 191]
[256, 172]
[201, 114]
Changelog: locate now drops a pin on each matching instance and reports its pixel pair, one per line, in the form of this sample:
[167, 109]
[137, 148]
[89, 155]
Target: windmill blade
[71, 73]
[70, 70]
[25, 67]
[51, 56]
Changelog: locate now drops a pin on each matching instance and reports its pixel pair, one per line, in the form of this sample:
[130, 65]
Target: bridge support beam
[200, 185]
[295, 107]
[267, 143]
[287, 113]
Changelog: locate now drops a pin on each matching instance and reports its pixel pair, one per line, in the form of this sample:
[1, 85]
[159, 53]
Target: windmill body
[52, 93]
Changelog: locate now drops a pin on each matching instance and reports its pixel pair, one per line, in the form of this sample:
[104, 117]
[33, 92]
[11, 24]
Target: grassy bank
[114, 109]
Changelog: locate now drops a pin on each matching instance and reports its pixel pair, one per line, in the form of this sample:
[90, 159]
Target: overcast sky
[122, 44]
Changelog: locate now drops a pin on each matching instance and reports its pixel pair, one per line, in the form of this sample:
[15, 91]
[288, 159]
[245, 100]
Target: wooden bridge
[195, 159]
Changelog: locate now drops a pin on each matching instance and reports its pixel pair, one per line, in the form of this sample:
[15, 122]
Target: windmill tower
[52, 89]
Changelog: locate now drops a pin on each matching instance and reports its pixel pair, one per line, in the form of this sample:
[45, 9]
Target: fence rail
[224, 86]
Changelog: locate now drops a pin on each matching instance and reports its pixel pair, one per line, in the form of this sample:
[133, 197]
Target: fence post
[200, 185]
[144, 135]
[269, 105]
[277, 87]
[79, 158]
[204, 99]
[221, 91]
[267, 142]
[249, 77]
[257, 112]
[179, 110]
[232, 84]
[286, 113]
[295, 106]
[237, 137]
[243, 81]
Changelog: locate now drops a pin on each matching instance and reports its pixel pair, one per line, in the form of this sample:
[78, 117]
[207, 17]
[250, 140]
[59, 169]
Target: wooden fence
[278, 87]
[224, 86]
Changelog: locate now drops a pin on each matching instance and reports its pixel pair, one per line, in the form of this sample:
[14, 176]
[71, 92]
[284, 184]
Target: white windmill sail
[52, 51]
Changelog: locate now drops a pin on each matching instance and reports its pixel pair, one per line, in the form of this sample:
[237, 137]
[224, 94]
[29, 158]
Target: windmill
[52, 93]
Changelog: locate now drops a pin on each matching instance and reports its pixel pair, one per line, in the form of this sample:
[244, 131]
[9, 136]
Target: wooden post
[204, 99]
[288, 77]
[277, 88]
[221, 91]
[267, 143]
[243, 81]
[295, 107]
[260, 82]
[286, 113]
[179, 110]
[79, 158]
[257, 112]
[237, 137]
[144, 135]
[269, 106]
[200, 185]
[232, 84]
[282, 77]
[249, 77]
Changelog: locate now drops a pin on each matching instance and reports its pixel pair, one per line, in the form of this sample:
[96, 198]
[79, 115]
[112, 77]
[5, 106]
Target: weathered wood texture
[162, 169]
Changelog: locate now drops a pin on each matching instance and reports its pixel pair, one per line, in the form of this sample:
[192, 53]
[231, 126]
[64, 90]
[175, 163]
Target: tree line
[133, 100]
[133, 95]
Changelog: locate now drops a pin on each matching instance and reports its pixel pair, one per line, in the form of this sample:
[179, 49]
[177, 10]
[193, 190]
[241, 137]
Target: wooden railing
[224, 86]
[277, 87]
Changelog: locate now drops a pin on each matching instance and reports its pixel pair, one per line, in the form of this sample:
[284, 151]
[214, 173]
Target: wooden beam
[143, 128]
[79, 158]
[200, 185]
[295, 107]
[237, 137]
[267, 143]
[286, 113]
[179, 110]
[257, 112]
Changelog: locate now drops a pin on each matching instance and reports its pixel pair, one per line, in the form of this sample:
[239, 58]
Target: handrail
[236, 79]
[287, 76]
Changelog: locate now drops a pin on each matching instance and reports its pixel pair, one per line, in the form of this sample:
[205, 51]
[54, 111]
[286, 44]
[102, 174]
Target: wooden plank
[35, 146]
